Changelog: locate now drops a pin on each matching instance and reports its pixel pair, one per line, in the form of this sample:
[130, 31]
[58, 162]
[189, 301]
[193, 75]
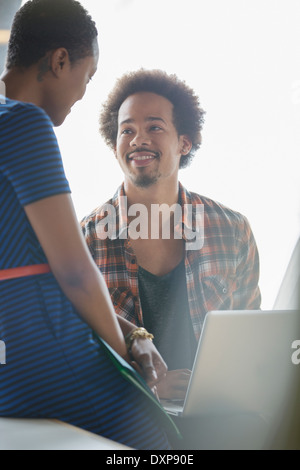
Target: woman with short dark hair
[54, 303]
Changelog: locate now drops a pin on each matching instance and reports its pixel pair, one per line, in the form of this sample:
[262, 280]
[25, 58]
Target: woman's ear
[59, 60]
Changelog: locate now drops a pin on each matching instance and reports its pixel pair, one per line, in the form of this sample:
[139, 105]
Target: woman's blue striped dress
[54, 367]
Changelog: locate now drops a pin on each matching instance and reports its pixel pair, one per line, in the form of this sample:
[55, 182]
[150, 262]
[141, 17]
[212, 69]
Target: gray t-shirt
[166, 315]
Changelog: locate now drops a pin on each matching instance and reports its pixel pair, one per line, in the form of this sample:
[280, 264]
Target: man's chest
[159, 257]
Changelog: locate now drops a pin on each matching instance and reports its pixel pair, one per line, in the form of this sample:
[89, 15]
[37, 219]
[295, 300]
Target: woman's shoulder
[14, 110]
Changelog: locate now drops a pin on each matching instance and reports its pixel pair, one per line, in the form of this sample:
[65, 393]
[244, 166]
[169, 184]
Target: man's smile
[141, 159]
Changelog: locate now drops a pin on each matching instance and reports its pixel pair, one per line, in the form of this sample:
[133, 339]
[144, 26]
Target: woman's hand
[174, 384]
[147, 361]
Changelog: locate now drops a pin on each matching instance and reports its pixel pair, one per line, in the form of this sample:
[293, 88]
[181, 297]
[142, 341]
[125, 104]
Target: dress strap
[23, 271]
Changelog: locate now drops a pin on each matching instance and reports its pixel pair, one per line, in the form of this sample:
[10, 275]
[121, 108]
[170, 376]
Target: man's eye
[155, 128]
[126, 131]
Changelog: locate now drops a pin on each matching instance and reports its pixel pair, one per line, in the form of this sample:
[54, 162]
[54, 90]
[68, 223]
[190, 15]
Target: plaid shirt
[221, 275]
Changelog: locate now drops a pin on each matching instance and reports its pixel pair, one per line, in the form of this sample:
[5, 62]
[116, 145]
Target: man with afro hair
[167, 255]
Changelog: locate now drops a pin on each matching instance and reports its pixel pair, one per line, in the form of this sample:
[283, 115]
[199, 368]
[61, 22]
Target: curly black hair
[188, 116]
[44, 25]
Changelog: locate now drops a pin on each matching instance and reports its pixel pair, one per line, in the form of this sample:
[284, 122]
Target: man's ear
[185, 144]
[59, 61]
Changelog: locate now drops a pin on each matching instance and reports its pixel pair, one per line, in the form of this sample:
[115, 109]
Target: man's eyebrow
[126, 121]
[154, 118]
[150, 118]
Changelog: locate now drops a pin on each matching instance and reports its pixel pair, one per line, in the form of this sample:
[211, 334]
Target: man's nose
[140, 138]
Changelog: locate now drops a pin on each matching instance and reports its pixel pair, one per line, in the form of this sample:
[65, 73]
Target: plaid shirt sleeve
[224, 273]
[116, 261]
[247, 295]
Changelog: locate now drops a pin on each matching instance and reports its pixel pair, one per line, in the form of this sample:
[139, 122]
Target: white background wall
[243, 59]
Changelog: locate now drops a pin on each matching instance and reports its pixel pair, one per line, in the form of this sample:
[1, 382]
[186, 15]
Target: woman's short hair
[44, 25]
[188, 116]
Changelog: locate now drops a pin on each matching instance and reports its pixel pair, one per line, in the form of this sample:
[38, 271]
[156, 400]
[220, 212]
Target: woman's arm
[54, 221]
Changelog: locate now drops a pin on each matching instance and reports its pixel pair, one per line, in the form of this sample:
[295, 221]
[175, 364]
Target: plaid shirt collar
[187, 224]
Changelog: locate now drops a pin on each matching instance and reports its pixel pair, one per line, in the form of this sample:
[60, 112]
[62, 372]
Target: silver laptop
[289, 291]
[243, 365]
[243, 362]
[244, 377]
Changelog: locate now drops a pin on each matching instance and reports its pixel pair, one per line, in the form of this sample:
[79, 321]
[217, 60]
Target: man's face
[148, 147]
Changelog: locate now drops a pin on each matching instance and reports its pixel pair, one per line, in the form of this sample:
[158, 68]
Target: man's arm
[248, 295]
[174, 384]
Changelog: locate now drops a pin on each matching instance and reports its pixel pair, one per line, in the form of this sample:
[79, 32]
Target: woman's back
[54, 366]
[54, 302]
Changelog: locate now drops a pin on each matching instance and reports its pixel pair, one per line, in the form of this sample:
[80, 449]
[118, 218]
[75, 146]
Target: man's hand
[174, 384]
[147, 361]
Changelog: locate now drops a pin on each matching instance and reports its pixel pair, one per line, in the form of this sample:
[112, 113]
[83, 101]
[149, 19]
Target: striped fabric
[54, 367]
[221, 275]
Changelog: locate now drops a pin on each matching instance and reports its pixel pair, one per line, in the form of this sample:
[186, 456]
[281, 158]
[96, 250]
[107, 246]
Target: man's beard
[142, 180]
[145, 181]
